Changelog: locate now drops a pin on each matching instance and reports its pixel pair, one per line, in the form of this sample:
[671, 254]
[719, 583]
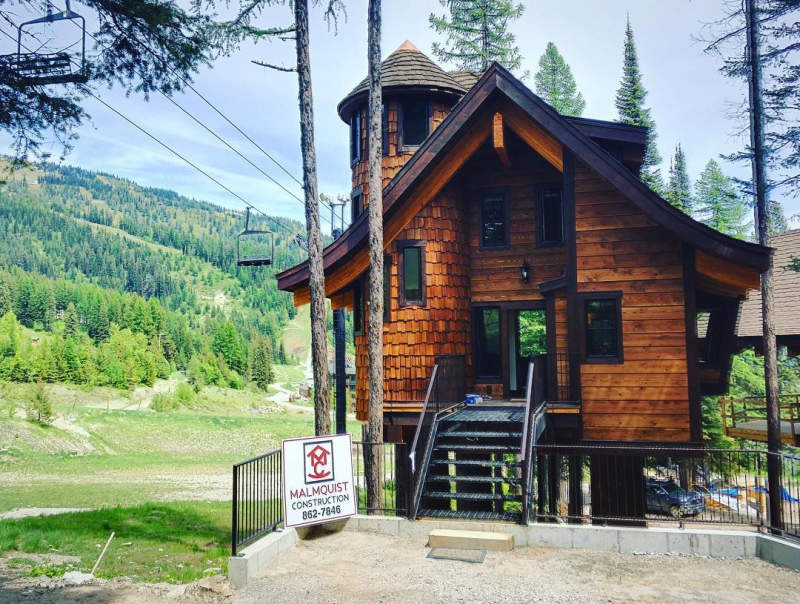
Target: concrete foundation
[491, 542]
[254, 559]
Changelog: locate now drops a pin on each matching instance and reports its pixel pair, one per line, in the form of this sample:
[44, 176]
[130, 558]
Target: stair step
[470, 496]
[479, 434]
[478, 479]
[475, 462]
[470, 515]
[471, 540]
[478, 448]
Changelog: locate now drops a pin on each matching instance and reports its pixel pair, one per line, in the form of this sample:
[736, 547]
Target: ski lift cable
[217, 136]
[179, 155]
[200, 95]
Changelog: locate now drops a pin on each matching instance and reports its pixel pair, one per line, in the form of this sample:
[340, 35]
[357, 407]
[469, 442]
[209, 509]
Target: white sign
[318, 480]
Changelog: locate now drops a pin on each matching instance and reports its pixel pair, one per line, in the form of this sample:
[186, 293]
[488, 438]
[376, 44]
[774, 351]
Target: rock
[75, 577]
[216, 584]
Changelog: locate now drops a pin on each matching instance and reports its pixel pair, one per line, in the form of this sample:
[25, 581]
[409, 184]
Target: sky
[690, 100]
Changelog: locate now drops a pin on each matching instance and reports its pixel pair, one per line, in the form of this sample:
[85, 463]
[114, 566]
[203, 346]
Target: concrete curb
[731, 544]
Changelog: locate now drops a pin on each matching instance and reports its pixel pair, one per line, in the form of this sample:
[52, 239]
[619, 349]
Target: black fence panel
[257, 505]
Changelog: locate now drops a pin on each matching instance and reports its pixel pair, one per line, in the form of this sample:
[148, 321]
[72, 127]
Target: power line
[169, 148]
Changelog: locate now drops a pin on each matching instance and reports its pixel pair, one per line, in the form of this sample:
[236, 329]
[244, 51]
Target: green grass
[174, 542]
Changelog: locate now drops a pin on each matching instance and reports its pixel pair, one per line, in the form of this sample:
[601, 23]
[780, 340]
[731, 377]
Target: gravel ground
[357, 567]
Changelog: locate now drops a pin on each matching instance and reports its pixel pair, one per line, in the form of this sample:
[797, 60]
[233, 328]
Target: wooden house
[511, 232]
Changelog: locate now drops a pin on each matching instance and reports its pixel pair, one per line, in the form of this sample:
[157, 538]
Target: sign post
[318, 480]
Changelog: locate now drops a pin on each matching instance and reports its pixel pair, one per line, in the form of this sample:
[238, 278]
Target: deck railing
[738, 411]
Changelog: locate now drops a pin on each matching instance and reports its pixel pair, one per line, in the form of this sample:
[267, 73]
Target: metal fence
[607, 484]
[394, 468]
[257, 508]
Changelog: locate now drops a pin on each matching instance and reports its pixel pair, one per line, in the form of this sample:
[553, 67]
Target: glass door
[527, 338]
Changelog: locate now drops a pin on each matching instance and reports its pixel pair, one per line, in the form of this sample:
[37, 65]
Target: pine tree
[478, 33]
[556, 85]
[679, 189]
[261, 364]
[631, 95]
[718, 203]
[72, 323]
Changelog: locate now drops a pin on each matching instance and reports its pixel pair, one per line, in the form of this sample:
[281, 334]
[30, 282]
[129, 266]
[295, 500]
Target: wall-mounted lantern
[525, 270]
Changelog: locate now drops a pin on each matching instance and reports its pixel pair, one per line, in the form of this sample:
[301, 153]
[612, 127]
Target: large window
[487, 343]
[355, 137]
[494, 221]
[412, 273]
[602, 318]
[549, 216]
[414, 121]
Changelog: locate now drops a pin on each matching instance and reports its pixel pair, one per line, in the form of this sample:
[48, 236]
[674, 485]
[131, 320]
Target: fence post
[235, 512]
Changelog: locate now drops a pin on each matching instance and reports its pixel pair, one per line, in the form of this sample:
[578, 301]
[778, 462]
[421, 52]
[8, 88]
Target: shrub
[40, 409]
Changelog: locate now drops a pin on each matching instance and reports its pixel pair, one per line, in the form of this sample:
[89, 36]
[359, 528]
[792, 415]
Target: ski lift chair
[34, 68]
[254, 235]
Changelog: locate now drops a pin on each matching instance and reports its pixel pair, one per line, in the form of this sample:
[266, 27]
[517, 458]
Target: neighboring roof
[406, 68]
[497, 81]
[467, 79]
[785, 289]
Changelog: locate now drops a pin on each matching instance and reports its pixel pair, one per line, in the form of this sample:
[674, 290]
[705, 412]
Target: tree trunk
[767, 302]
[319, 351]
[372, 461]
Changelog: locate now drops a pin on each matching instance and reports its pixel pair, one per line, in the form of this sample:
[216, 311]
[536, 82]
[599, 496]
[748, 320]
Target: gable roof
[497, 81]
[785, 289]
[408, 68]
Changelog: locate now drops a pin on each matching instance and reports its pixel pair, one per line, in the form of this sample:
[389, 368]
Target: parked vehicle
[667, 497]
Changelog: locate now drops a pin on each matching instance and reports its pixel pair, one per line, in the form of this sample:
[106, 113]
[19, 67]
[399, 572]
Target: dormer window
[414, 121]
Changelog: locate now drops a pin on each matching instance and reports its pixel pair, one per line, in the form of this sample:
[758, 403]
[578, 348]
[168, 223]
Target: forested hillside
[106, 282]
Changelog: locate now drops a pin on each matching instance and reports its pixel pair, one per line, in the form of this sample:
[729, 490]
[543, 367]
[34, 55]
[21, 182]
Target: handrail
[528, 394]
[413, 453]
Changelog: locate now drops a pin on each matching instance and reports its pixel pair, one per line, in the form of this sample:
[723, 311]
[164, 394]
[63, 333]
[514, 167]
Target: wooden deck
[746, 418]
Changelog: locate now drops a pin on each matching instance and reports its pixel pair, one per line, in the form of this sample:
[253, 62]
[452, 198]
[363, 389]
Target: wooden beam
[729, 276]
[534, 135]
[497, 139]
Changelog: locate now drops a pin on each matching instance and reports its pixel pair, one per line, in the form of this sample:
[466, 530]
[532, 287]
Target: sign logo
[318, 461]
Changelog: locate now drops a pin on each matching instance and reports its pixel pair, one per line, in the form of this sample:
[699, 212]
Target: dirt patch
[32, 512]
[354, 567]
[16, 587]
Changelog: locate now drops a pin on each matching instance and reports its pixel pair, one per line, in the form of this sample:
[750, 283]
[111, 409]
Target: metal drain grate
[476, 556]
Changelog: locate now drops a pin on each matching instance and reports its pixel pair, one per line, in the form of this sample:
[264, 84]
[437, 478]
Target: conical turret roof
[406, 68]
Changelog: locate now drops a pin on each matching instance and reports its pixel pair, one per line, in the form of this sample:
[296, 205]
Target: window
[355, 204]
[487, 343]
[384, 130]
[602, 317]
[355, 137]
[412, 273]
[414, 121]
[494, 221]
[387, 300]
[549, 216]
[358, 308]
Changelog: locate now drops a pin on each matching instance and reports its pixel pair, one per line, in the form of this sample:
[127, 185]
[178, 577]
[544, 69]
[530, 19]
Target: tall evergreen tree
[630, 99]
[478, 33]
[679, 189]
[718, 203]
[556, 85]
[261, 364]
[72, 322]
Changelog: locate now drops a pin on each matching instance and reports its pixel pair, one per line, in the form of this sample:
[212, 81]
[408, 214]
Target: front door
[527, 338]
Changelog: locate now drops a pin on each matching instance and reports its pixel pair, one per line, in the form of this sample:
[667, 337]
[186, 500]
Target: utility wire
[169, 148]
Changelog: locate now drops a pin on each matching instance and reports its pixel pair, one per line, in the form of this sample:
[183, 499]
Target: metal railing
[395, 478]
[257, 507]
[617, 484]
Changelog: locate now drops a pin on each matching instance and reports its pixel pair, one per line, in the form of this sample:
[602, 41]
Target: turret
[417, 96]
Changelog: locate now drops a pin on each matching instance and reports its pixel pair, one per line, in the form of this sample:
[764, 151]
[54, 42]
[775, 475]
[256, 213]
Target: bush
[163, 403]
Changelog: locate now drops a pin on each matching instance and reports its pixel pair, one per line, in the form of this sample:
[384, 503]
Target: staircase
[474, 472]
